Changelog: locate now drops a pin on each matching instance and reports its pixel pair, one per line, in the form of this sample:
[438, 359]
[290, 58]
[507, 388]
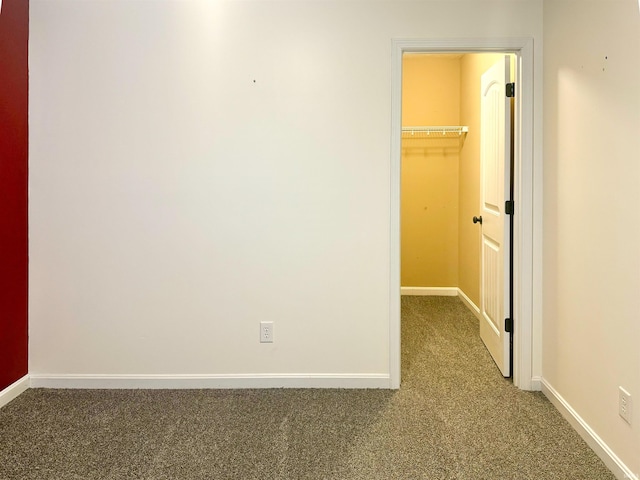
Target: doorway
[445, 247]
[522, 243]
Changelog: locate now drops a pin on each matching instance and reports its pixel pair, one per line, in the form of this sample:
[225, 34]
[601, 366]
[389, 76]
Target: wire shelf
[434, 132]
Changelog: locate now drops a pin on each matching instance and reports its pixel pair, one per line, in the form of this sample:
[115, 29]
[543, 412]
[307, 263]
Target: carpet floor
[454, 417]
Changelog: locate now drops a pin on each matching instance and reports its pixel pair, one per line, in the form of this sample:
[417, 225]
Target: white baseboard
[212, 381]
[611, 460]
[13, 390]
[470, 305]
[430, 291]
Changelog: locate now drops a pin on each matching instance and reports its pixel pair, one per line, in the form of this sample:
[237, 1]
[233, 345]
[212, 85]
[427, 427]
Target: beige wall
[591, 313]
[176, 203]
[471, 69]
[429, 208]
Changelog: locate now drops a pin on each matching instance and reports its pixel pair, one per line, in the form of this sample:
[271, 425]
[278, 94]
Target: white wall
[197, 167]
[592, 214]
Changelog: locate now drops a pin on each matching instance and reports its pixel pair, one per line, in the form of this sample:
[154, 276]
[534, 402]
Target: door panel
[491, 255]
[495, 172]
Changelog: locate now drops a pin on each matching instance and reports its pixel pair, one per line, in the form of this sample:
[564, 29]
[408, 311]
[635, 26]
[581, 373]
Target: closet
[440, 186]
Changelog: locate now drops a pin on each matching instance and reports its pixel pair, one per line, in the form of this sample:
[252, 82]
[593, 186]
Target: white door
[495, 164]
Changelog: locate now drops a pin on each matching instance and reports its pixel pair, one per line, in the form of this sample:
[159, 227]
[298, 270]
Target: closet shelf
[435, 132]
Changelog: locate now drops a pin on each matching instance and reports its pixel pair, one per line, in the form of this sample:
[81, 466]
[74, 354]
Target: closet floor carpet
[454, 417]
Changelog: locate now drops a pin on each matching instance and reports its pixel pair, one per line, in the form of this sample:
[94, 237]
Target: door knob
[477, 220]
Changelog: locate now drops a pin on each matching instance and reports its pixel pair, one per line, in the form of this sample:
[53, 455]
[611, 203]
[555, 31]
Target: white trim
[15, 389]
[211, 381]
[611, 460]
[470, 305]
[524, 235]
[536, 383]
[524, 201]
[394, 213]
[430, 291]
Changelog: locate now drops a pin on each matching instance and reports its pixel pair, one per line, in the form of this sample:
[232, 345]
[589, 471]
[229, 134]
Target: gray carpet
[455, 417]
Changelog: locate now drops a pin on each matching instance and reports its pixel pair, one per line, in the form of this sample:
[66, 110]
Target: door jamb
[523, 252]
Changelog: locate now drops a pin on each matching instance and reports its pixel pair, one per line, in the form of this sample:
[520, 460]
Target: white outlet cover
[625, 404]
[266, 332]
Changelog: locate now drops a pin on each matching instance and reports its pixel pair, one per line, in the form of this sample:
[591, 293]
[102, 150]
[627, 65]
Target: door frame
[526, 261]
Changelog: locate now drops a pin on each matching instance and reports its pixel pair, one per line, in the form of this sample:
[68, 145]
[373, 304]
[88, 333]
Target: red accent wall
[14, 140]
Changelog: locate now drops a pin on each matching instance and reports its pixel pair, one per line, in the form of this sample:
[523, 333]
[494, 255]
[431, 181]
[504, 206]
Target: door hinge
[508, 325]
[511, 90]
[508, 207]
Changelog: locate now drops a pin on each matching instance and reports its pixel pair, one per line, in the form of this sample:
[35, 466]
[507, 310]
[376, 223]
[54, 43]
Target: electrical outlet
[266, 332]
[624, 404]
